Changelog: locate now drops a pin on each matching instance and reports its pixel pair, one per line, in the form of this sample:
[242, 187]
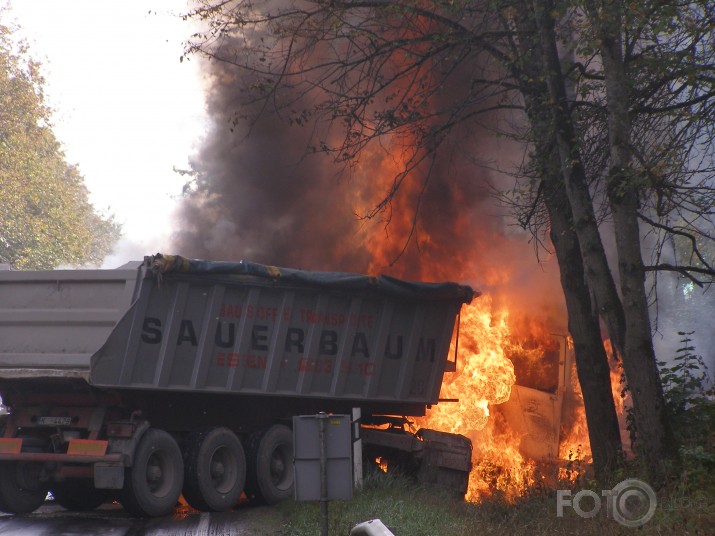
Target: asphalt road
[112, 520]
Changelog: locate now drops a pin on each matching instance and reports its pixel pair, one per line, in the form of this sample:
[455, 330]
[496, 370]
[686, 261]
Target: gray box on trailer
[53, 321]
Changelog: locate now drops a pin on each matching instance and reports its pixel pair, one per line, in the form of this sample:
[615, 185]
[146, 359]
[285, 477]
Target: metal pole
[357, 449]
[323, 475]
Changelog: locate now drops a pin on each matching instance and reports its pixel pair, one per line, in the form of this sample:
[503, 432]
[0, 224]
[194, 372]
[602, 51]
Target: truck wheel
[79, 495]
[153, 484]
[214, 470]
[21, 490]
[270, 476]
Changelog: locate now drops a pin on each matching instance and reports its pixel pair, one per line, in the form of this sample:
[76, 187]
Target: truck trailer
[173, 376]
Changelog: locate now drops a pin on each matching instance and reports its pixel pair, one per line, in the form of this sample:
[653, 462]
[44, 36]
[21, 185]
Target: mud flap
[108, 475]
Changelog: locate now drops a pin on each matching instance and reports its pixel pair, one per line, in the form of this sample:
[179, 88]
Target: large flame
[493, 331]
[484, 379]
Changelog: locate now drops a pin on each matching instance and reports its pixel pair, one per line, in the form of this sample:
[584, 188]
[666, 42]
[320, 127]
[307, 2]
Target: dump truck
[173, 376]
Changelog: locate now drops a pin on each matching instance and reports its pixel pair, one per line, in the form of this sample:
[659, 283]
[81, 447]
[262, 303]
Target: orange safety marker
[10, 445]
[87, 447]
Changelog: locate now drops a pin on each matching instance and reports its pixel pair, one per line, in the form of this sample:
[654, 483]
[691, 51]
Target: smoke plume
[260, 194]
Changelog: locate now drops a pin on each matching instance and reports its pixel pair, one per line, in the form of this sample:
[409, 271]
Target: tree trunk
[598, 272]
[654, 438]
[591, 360]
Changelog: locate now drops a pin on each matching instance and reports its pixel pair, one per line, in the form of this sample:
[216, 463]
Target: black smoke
[258, 195]
[261, 193]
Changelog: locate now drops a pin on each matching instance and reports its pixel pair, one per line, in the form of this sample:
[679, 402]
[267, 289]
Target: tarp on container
[165, 264]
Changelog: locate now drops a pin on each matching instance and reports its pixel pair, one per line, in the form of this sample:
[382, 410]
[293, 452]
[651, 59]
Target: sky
[127, 111]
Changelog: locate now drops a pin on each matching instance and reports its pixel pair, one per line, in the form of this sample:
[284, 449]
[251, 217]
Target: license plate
[54, 421]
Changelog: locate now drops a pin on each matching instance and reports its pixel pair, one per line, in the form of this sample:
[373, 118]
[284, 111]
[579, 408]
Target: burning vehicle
[515, 396]
[175, 376]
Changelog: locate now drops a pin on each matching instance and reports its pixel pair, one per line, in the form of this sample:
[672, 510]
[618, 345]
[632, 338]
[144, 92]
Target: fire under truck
[174, 376]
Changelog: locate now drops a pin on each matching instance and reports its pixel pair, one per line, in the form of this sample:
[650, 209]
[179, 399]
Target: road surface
[112, 520]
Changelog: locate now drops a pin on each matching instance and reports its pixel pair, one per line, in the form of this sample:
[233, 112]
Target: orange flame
[492, 337]
[575, 446]
[484, 379]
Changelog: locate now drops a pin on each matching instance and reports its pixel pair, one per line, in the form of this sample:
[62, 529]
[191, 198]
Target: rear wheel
[79, 495]
[21, 490]
[152, 485]
[214, 470]
[270, 470]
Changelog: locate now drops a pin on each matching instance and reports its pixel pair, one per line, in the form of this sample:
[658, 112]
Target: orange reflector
[10, 445]
[87, 447]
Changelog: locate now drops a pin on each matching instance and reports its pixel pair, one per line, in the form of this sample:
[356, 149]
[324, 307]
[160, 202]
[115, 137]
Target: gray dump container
[200, 326]
[52, 321]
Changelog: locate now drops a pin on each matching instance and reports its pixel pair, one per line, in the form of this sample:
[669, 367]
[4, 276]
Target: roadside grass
[685, 505]
[407, 509]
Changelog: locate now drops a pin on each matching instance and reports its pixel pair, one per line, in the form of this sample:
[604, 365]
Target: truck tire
[79, 495]
[152, 485]
[270, 476]
[214, 470]
[21, 490]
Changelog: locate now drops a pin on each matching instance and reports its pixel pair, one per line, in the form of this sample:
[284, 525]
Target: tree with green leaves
[46, 219]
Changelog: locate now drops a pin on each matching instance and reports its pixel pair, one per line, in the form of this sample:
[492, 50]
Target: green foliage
[46, 218]
[687, 391]
[691, 404]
